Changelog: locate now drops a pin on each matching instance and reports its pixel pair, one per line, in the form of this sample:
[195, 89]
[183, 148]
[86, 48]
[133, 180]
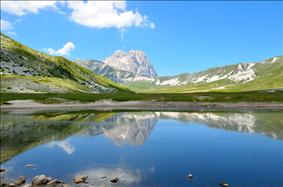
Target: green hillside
[26, 70]
[265, 75]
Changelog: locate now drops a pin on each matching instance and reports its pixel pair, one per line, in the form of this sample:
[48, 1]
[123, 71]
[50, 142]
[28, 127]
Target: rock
[27, 185]
[21, 180]
[39, 180]
[114, 180]
[12, 185]
[49, 179]
[2, 170]
[29, 165]
[103, 177]
[190, 176]
[224, 184]
[80, 179]
[55, 181]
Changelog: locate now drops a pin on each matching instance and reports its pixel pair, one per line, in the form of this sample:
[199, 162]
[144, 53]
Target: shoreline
[108, 105]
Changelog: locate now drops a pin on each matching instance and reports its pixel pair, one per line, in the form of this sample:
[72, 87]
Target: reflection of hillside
[85, 116]
[22, 132]
[270, 124]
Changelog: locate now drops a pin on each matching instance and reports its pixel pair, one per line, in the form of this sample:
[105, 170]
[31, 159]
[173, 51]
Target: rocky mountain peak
[134, 61]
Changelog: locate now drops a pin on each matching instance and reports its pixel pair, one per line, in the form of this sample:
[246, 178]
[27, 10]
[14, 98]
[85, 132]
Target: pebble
[27, 185]
[49, 179]
[80, 179]
[114, 180]
[55, 181]
[190, 176]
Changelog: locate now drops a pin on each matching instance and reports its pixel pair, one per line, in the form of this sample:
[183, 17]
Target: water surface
[146, 148]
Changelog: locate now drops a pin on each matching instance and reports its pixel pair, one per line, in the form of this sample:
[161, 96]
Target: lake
[243, 148]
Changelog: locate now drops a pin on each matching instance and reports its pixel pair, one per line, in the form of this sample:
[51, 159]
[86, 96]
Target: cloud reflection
[66, 146]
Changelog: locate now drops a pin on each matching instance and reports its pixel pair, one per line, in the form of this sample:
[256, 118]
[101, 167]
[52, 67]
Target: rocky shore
[108, 105]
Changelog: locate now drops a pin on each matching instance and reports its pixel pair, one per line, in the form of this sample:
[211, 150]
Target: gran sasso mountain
[26, 70]
[123, 67]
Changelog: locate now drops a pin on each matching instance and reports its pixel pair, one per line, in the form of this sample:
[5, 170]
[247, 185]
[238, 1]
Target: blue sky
[178, 37]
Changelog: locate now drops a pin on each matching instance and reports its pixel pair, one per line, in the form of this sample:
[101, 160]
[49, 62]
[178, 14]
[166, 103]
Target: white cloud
[94, 14]
[5, 25]
[20, 8]
[106, 14]
[65, 50]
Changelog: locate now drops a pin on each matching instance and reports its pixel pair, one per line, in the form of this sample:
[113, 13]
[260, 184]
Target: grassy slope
[46, 82]
[270, 76]
[60, 67]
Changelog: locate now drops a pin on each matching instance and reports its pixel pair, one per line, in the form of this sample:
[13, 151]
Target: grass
[48, 81]
[53, 66]
[253, 96]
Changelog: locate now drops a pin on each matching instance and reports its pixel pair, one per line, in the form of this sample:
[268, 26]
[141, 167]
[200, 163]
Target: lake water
[146, 148]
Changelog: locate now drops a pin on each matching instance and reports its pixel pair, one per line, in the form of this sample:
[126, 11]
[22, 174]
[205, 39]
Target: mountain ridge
[245, 76]
[266, 74]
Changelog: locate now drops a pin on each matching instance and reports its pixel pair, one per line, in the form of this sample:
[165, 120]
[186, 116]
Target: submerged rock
[114, 180]
[80, 179]
[190, 176]
[224, 184]
[2, 170]
[21, 180]
[29, 165]
[39, 180]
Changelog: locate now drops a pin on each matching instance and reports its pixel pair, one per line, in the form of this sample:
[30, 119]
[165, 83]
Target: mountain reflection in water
[107, 143]
[20, 132]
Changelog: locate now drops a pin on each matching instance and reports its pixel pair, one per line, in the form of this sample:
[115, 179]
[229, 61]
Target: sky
[177, 37]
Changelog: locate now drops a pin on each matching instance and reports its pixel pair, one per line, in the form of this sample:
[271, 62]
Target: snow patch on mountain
[242, 73]
[171, 82]
[245, 73]
[274, 60]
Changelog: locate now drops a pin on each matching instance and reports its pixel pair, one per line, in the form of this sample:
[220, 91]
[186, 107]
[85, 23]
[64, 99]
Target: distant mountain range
[134, 70]
[26, 70]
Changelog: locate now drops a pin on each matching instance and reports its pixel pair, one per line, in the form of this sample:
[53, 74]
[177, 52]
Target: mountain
[26, 70]
[103, 69]
[267, 74]
[123, 67]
